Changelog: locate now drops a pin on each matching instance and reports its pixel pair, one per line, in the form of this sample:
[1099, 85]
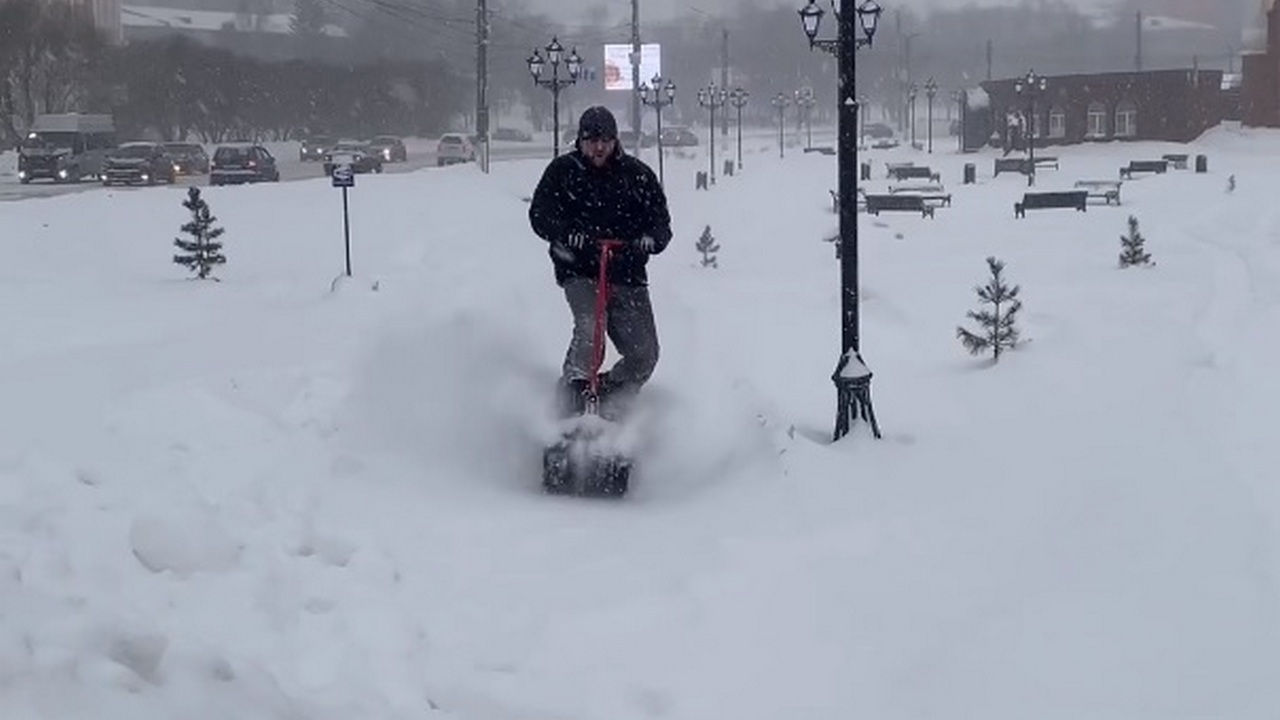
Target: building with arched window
[1174, 105]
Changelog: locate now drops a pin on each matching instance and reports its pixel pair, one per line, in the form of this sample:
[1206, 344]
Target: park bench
[1064, 199]
[933, 192]
[1151, 166]
[1178, 161]
[916, 203]
[891, 168]
[907, 172]
[1047, 161]
[1014, 165]
[835, 200]
[1106, 190]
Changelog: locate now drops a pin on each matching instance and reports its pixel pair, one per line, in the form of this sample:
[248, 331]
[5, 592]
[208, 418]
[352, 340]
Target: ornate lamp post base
[853, 394]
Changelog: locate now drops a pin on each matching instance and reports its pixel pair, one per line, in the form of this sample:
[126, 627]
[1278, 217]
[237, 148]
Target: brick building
[1173, 105]
[1260, 95]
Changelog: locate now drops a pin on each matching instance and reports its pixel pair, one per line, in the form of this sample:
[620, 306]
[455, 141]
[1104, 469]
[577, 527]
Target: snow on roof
[141, 16]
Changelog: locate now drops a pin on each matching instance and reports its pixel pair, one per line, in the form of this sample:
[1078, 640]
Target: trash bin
[728, 168]
[970, 174]
[1202, 164]
[865, 171]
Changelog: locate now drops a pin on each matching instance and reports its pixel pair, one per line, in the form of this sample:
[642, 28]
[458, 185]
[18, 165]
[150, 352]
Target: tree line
[409, 67]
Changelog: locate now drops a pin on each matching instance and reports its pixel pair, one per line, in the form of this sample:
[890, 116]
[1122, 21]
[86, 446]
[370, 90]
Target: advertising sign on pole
[617, 65]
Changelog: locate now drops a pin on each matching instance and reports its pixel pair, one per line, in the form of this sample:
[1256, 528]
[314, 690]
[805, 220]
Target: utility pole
[635, 66]
[482, 82]
[991, 51]
[1137, 57]
[724, 76]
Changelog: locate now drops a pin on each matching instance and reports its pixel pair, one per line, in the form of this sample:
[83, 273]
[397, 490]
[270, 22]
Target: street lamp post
[738, 98]
[911, 111]
[712, 97]
[657, 96]
[930, 92]
[805, 102]
[1030, 87]
[555, 83]
[857, 28]
[781, 102]
[958, 98]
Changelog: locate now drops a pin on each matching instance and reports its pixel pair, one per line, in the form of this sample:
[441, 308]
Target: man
[598, 192]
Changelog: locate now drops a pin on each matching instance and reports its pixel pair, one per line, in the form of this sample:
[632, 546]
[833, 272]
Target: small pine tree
[202, 251]
[708, 247]
[1133, 250]
[998, 330]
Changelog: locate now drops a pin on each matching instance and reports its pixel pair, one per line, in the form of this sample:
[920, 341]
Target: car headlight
[62, 174]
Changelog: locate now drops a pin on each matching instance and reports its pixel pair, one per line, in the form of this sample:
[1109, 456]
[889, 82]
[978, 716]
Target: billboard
[617, 65]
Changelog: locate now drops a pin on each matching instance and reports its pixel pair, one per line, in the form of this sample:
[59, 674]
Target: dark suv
[138, 163]
[243, 163]
[188, 158]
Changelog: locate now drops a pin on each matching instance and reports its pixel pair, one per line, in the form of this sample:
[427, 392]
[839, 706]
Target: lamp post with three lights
[555, 83]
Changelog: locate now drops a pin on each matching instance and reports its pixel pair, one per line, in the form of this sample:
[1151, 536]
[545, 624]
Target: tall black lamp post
[781, 101]
[805, 102]
[930, 92]
[857, 28]
[658, 95]
[712, 97]
[1030, 87]
[555, 83]
[912, 92]
[738, 98]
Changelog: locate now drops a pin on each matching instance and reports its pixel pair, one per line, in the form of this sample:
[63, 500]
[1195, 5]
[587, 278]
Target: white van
[66, 147]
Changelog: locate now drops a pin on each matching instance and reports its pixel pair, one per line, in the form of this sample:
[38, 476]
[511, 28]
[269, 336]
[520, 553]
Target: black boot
[573, 396]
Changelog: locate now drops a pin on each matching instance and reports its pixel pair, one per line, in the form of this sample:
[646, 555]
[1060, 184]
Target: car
[314, 148]
[677, 136]
[512, 135]
[631, 140]
[138, 163]
[454, 148]
[877, 131]
[188, 158]
[357, 154]
[390, 149]
[244, 162]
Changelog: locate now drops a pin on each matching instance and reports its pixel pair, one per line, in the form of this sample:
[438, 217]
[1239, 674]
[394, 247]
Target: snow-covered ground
[291, 494]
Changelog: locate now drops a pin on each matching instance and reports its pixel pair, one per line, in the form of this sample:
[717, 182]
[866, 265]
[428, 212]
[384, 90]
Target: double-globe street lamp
[738, 99]
[912, 92]
[658, 95]
[805, 102]
[555, 83]
[1030, 87]
[856, 29]
[930, 92]
[781, 101]
[712, 97]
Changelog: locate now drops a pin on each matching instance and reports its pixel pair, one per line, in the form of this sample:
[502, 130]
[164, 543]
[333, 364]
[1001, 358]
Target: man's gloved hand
[646, 243]
[576, 240]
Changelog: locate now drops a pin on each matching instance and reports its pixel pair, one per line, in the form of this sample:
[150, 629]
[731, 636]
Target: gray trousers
[630, 325]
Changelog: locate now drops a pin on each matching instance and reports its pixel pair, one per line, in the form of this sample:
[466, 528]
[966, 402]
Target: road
[422, 154]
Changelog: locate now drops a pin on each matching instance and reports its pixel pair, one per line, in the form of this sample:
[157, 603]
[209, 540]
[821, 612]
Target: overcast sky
[662, 9]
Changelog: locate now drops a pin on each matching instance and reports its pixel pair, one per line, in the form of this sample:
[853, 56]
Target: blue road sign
[344, 177]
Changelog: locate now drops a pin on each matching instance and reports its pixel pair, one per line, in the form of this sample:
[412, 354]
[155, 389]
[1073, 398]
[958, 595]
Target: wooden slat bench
[908, 172]
[909, 203]
[1014, 165]
[1077, 199]
[1106, 190]
[1151, 166]
[1047, 161]
[1178, 161]
[932, 192]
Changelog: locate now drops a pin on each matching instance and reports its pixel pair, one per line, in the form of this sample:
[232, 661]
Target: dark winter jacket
[622, 200]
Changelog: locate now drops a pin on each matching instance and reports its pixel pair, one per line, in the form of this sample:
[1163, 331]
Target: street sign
[344, 177]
